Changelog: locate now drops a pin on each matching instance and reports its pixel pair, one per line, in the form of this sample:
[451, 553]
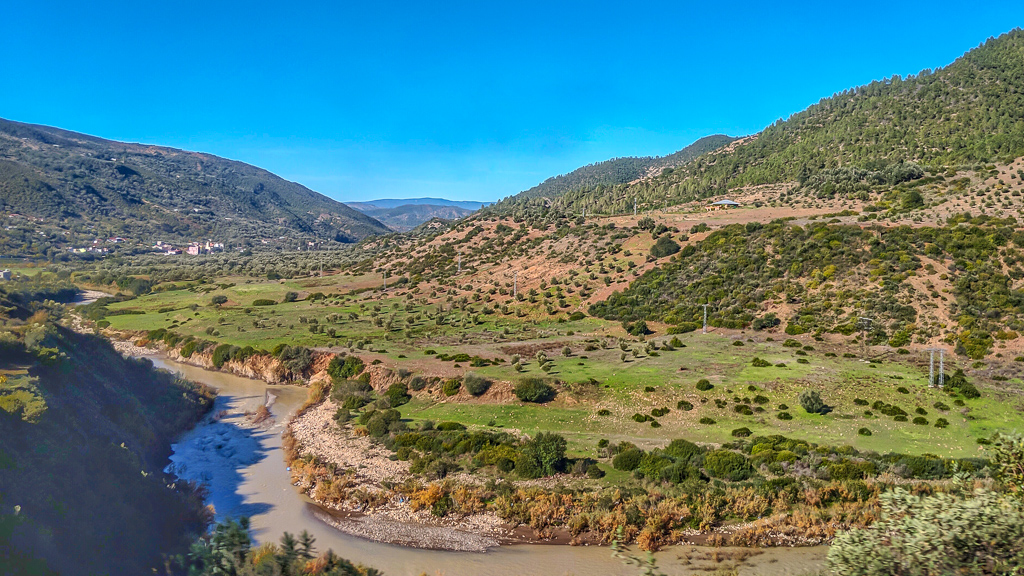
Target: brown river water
[245, 474]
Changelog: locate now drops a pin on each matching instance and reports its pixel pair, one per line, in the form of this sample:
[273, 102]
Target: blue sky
[472, 101]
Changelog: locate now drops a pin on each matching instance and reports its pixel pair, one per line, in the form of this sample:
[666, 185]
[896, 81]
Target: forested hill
[619, 170]
[154, 193]
[968, 113]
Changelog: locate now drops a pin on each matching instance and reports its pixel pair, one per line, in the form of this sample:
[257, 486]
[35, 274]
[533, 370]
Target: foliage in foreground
[944, 533]
[229, 550]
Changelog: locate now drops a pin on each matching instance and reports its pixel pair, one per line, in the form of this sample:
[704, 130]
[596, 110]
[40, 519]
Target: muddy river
[245, 474]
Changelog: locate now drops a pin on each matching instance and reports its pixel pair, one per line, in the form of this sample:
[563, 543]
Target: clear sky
[472, 101]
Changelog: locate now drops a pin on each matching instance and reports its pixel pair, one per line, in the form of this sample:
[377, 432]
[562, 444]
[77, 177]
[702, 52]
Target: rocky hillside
[148, 193]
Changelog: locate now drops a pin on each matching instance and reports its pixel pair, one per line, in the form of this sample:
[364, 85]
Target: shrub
[218, 300]
[450, 426]
[860, 402]
[534, 390]
[940, 406]
[664, 246]
[903, 390]
[921, 421]
[594, 472]
[760, 399]
[707, 421]
[290, 296]
[263, 302]
[791, 343]
[760, 363]
[704, 385]
[417, 383]
[941, 423]
[728, 465]
[628, 460]
[681, 449]
[811, 401]
[864, 432]
[784, 416]
[475, 384]
[345, 368]
[741, 432]
[397, 394]
[451, 386]
[684, 405]
[958, 383]
[980, 533]
[783, 407]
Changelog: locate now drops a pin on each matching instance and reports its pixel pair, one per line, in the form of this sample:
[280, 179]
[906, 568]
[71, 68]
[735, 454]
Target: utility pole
[460, 263]
[865, 325]
[705, 319]
[931, 366]
[942, 367]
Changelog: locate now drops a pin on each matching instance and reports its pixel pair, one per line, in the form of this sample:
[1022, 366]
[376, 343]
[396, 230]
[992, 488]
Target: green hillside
[968, 113]
[616, 171]
[824, 278]
[149, 193]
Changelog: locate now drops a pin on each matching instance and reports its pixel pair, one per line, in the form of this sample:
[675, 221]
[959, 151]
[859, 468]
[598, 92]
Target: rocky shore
[370, 467]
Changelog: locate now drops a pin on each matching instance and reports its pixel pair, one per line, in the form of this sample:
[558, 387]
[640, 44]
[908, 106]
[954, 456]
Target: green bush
[683, 450]
[345, 368]
[397, 394]
[941, 423]
[451, 386]
[604, 412]
[684, 405]
[728, 465]
[944, 533]
[628, 460]
[475, 384]
[784, 416]
[707, 421]
[760, 363]
[450, 426]
[263, 302]
[811, 402]
[864, 432]
[534, 390]
[741, 432]
[682, 328]
[664, 246]
[704, 385]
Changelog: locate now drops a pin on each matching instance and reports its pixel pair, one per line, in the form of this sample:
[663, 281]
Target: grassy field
[598, 374]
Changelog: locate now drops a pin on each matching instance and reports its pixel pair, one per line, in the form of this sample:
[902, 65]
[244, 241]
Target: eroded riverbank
[260, 487]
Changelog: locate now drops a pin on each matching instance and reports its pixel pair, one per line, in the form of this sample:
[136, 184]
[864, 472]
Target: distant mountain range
[396, 202]
[143, 192]
[405, 214]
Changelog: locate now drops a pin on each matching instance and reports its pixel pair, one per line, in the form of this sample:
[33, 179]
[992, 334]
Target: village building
[722, 205]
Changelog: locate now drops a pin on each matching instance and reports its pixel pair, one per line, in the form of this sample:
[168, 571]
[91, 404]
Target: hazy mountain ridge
[157, 192]
[405, 217]
[396, 202]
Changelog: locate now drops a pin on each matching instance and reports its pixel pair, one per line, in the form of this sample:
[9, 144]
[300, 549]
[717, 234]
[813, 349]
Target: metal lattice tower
[865, 324]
